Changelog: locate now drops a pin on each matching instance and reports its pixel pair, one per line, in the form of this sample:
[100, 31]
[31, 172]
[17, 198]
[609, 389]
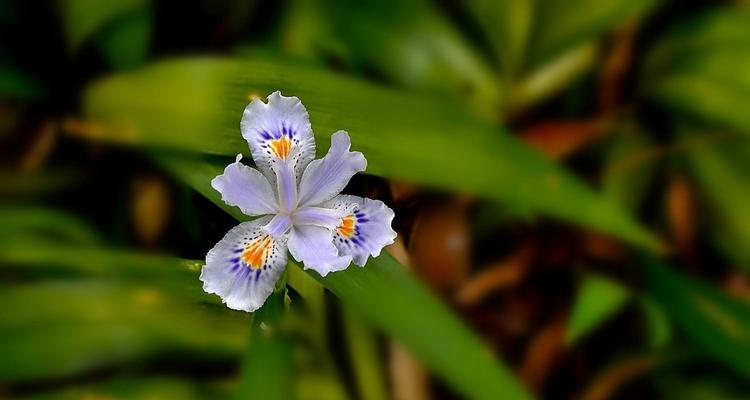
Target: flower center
[281, 147]
[254, 254]
[346, 229]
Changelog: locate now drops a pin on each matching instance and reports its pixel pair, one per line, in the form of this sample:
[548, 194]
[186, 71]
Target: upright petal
[286, 187]
[244, 266]
[278, 132]
[245, 188]
[313, 246]
[365, 230]
[325, 178]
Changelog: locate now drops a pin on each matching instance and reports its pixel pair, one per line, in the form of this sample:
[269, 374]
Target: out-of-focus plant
[588, 133]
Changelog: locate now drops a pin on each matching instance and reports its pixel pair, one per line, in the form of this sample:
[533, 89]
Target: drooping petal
[244, 266]
[278, 132]
[325, 178]
[323, 217]
[313, 246]
[365, 230]
[245, 188]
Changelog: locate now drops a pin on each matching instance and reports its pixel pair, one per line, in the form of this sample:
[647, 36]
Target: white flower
[299, 200]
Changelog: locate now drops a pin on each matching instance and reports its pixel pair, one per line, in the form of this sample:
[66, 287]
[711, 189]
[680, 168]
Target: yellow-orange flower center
[346, 229]
[255, 253]
[281, 147]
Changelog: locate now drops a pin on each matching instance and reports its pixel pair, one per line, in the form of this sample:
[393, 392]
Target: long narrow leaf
[195, 104]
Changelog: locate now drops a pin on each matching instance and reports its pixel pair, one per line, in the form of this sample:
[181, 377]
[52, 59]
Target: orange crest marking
[255, 253]
[346, 229]
[281, 147]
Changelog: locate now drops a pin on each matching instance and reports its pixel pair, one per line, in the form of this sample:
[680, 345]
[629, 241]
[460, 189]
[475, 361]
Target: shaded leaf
[95, 324]
[562, 25]
[720, 325]
[125, 41]
[507, 24]
[83, 18]
[721, 171]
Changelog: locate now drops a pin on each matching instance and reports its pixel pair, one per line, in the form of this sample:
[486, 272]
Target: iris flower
[298, 201]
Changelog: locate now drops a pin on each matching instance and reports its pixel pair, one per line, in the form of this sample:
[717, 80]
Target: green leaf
[721, 171]
[628, 171]
[29, 220]
[507, 24]
[658, 329]
[413, 44]
[713, 320]
[136, 388]
[561, 25]
[125, 42]
[195, 104]
[598, 299]
[699, 68]
[267, 366]
[364, 356]
[83, 18]
[58, 329]
[16, 84]
[387, 296]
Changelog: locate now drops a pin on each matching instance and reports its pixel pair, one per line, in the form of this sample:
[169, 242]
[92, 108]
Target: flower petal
[278, 226]
[244, 266]
[365, 230]
[325, 178]
[313, 246]
[278, 132]
[328, 218]
[245, 188]
[286, 187]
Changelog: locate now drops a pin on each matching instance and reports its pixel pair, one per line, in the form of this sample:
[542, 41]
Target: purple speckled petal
[313, 246]
[244, 266]
[245, 188]
[365, 230]
[278, 132]
[325, 178]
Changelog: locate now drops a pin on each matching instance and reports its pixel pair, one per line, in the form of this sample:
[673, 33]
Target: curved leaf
[195, 104]
[713, 320]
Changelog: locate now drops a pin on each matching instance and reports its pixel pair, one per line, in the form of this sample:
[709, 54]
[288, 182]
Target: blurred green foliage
[470, 100]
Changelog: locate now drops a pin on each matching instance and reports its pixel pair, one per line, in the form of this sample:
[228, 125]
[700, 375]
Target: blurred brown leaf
[544, 352]
[439, 245]
[150, 208]
[605, 385]
[495, 277]
[559, 139]
[681, 212]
